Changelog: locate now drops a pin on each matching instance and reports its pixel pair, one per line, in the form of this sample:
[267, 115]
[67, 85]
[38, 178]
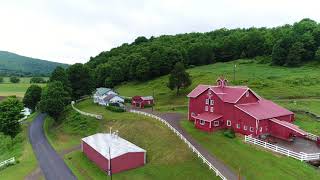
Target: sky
[71, 31]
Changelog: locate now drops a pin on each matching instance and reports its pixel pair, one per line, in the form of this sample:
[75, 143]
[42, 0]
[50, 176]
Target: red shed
[123, 154]
[239, 108]
[142, 101]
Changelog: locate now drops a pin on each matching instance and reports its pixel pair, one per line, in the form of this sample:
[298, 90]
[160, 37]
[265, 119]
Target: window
[238, 126]
[211, 102]
[247, 94]
[206, 108]
[228, 123]
[251, 129]
[216, 123]
[193, 114]
[202, 122]
[245, 127]
[211, 109]
[260, 129]
[207, 101]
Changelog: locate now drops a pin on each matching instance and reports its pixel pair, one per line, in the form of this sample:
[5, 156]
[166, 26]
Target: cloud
[71, 31]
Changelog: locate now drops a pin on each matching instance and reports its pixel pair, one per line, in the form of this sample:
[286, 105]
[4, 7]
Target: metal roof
[118, 146]
[146, 98]
[102, 90]
[206, 116]
[263, 109]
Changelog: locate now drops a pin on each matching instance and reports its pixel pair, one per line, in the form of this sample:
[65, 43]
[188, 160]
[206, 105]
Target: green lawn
[304, 105]
[271, 82]
[253, 162]
[23, 152]
[17, 89]
[167, 156]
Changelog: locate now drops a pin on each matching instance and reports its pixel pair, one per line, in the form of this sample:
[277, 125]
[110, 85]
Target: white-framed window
[251, 129]
[216, 123]
[193, 114]
[247, 94]
[206, 108]
[211, 102]
[207, 101]
[202, 122]
[260, 129]
[245, 127]
[211, 109]
[228, 123]
[238, 126]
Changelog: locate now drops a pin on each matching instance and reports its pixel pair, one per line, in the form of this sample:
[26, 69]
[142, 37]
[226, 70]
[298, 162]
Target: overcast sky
[71, 31]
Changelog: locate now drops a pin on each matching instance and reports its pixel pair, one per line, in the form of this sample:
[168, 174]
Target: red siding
[244, 120]
[251, 99]
[121, 163]
[94, 156]
[127, 161]
[206, 126]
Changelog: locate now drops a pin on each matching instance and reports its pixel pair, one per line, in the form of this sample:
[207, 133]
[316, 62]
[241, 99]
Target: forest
[143, 59]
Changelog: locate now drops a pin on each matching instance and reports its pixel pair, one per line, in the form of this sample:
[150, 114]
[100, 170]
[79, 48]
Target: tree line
[288, 45]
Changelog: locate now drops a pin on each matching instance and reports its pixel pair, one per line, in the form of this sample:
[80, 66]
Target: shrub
[115, 109]
[127, 99]
[37, 80]
[14, 79]
[229, 133]
[1, 80]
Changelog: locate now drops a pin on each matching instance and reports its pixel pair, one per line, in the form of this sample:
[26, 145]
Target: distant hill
[17, 65]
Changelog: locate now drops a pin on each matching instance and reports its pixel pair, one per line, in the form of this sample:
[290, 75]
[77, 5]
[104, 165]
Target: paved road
[51, 164]
[174, 120]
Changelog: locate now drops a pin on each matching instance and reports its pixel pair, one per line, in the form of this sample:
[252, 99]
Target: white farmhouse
[101, 93]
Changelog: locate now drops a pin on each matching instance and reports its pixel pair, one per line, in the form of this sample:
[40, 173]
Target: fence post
[265, 144]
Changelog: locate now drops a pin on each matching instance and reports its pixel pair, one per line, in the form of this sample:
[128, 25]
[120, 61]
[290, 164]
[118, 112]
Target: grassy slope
[254, 163]
[24, 153]
[269, 82]
[18, 89]
[167, 155]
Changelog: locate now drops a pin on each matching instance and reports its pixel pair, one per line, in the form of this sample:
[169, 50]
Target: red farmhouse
[239, 108]
[123, 154]
[140, 101]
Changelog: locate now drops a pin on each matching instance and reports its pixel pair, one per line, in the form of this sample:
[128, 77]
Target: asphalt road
[51, 164]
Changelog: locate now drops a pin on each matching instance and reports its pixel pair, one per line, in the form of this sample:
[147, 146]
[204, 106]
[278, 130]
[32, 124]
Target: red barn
[141, 101]
[239, 108]
[123, 154]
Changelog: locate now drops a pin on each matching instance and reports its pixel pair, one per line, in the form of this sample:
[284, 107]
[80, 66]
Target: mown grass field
[18, 89]
[271, 82]
[312, 105]
[253, 162]
[22, 151]
[167, 156]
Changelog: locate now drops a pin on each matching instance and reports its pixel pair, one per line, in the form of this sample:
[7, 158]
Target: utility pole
[153, 99]
[234, 72]
[110, 170]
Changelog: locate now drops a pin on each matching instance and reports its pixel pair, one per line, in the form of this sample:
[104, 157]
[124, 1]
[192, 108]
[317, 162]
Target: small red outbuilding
[142, 101]
[109, 150]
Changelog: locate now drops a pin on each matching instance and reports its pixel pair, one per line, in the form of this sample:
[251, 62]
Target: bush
[115, 109]
[127, 99]
[37, 80]
[229, 133]
[14, 79]
[1, 80]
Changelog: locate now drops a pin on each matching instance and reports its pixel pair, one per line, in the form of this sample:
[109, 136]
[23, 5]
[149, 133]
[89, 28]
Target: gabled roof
[146, 98]
[118, 146]
[289, 125]
[230, 94]
[263, 109]
[206, 116]
[102, 91]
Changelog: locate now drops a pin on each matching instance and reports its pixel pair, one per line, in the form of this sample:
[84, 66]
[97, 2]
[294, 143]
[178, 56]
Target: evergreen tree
[179, 78]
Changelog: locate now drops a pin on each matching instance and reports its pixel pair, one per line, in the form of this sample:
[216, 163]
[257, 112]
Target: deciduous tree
[32, 96]
[179, 78]
[10, 114]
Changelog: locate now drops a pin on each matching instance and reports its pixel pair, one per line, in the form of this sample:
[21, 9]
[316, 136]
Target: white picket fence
[312, 137]
[300, 156]
[211, 167]
[85, 113]
[8, 161]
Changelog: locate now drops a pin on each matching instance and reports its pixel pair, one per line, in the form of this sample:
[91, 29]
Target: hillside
[148, 58]
[14, 64]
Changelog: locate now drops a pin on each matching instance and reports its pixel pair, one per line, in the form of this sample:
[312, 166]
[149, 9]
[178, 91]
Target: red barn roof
[263, 109]
[230, 94]
[208, 116]
[290, 126]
